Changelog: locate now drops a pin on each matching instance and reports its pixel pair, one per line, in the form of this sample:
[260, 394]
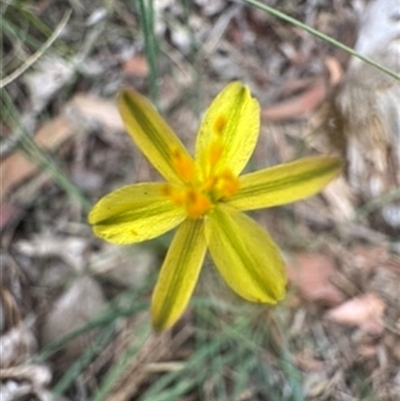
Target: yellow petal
[229, 131]
[135, 213]
[179, 274]
[153, 136]
[285, 183]
[245, 255]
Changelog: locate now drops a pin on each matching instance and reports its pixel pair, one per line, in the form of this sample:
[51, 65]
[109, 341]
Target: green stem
[146, 11]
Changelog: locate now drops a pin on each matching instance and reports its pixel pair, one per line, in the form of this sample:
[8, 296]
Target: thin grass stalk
[289, 367]
[138, 339]
[192, 365]
[320, 35]
[77, 367]
[193, 53]
[40, 157]
[109, 316]
[376, 203]
[146, 12]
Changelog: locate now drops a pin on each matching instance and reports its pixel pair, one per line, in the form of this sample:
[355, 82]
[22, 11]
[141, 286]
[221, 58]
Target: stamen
[177, 195]
[183, 165]
[198, 196]
[197, 204]
[227, 185]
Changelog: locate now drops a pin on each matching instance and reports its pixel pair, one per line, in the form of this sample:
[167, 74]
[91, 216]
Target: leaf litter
[342, 315]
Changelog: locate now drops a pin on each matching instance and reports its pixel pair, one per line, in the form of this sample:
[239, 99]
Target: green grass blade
[77, 367]
[142, 332]
[146, 13]
[112, 312]
[39, 156]
[320, 35]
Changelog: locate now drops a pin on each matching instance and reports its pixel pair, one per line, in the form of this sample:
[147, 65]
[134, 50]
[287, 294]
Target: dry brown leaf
[364, 311]
[299, 105]
[82, 111]
[335, 70]
[9, 213]
[312, 275]
[17, 168]
[367, 350]
[136, 66]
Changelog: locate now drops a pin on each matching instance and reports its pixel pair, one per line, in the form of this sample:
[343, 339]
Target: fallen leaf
[367, 350]
[312, 275]
[9, 213]
[136, 66]
[297, 106]
[82, 111]
[335, 70]
[364, 311]
[17, 167]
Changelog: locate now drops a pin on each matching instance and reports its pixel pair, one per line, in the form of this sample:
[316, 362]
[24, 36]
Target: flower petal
[245, 255]
[179, 274]
[285, 183]
[152, 134]
[229, 131]
[135, 213]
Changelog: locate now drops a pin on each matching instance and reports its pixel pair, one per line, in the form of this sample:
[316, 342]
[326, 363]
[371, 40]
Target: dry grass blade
[35, 57]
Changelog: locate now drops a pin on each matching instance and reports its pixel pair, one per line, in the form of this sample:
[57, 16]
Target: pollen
[177, 195]
[183, 165]
[227, 184]
[199, 194]
[197, 204]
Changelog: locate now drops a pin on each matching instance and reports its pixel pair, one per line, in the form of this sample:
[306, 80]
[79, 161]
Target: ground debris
[80, 303]
[341, 320]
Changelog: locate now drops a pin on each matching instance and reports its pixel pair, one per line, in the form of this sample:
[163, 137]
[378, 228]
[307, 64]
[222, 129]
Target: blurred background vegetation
[74, 310]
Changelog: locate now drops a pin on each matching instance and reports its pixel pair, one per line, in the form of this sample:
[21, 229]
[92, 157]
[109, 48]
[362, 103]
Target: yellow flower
[205, 197]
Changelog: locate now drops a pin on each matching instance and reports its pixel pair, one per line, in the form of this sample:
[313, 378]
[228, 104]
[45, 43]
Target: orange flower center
[199, 196]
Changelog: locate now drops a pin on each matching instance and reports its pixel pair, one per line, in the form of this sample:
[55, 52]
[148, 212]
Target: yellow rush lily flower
[205, 197]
